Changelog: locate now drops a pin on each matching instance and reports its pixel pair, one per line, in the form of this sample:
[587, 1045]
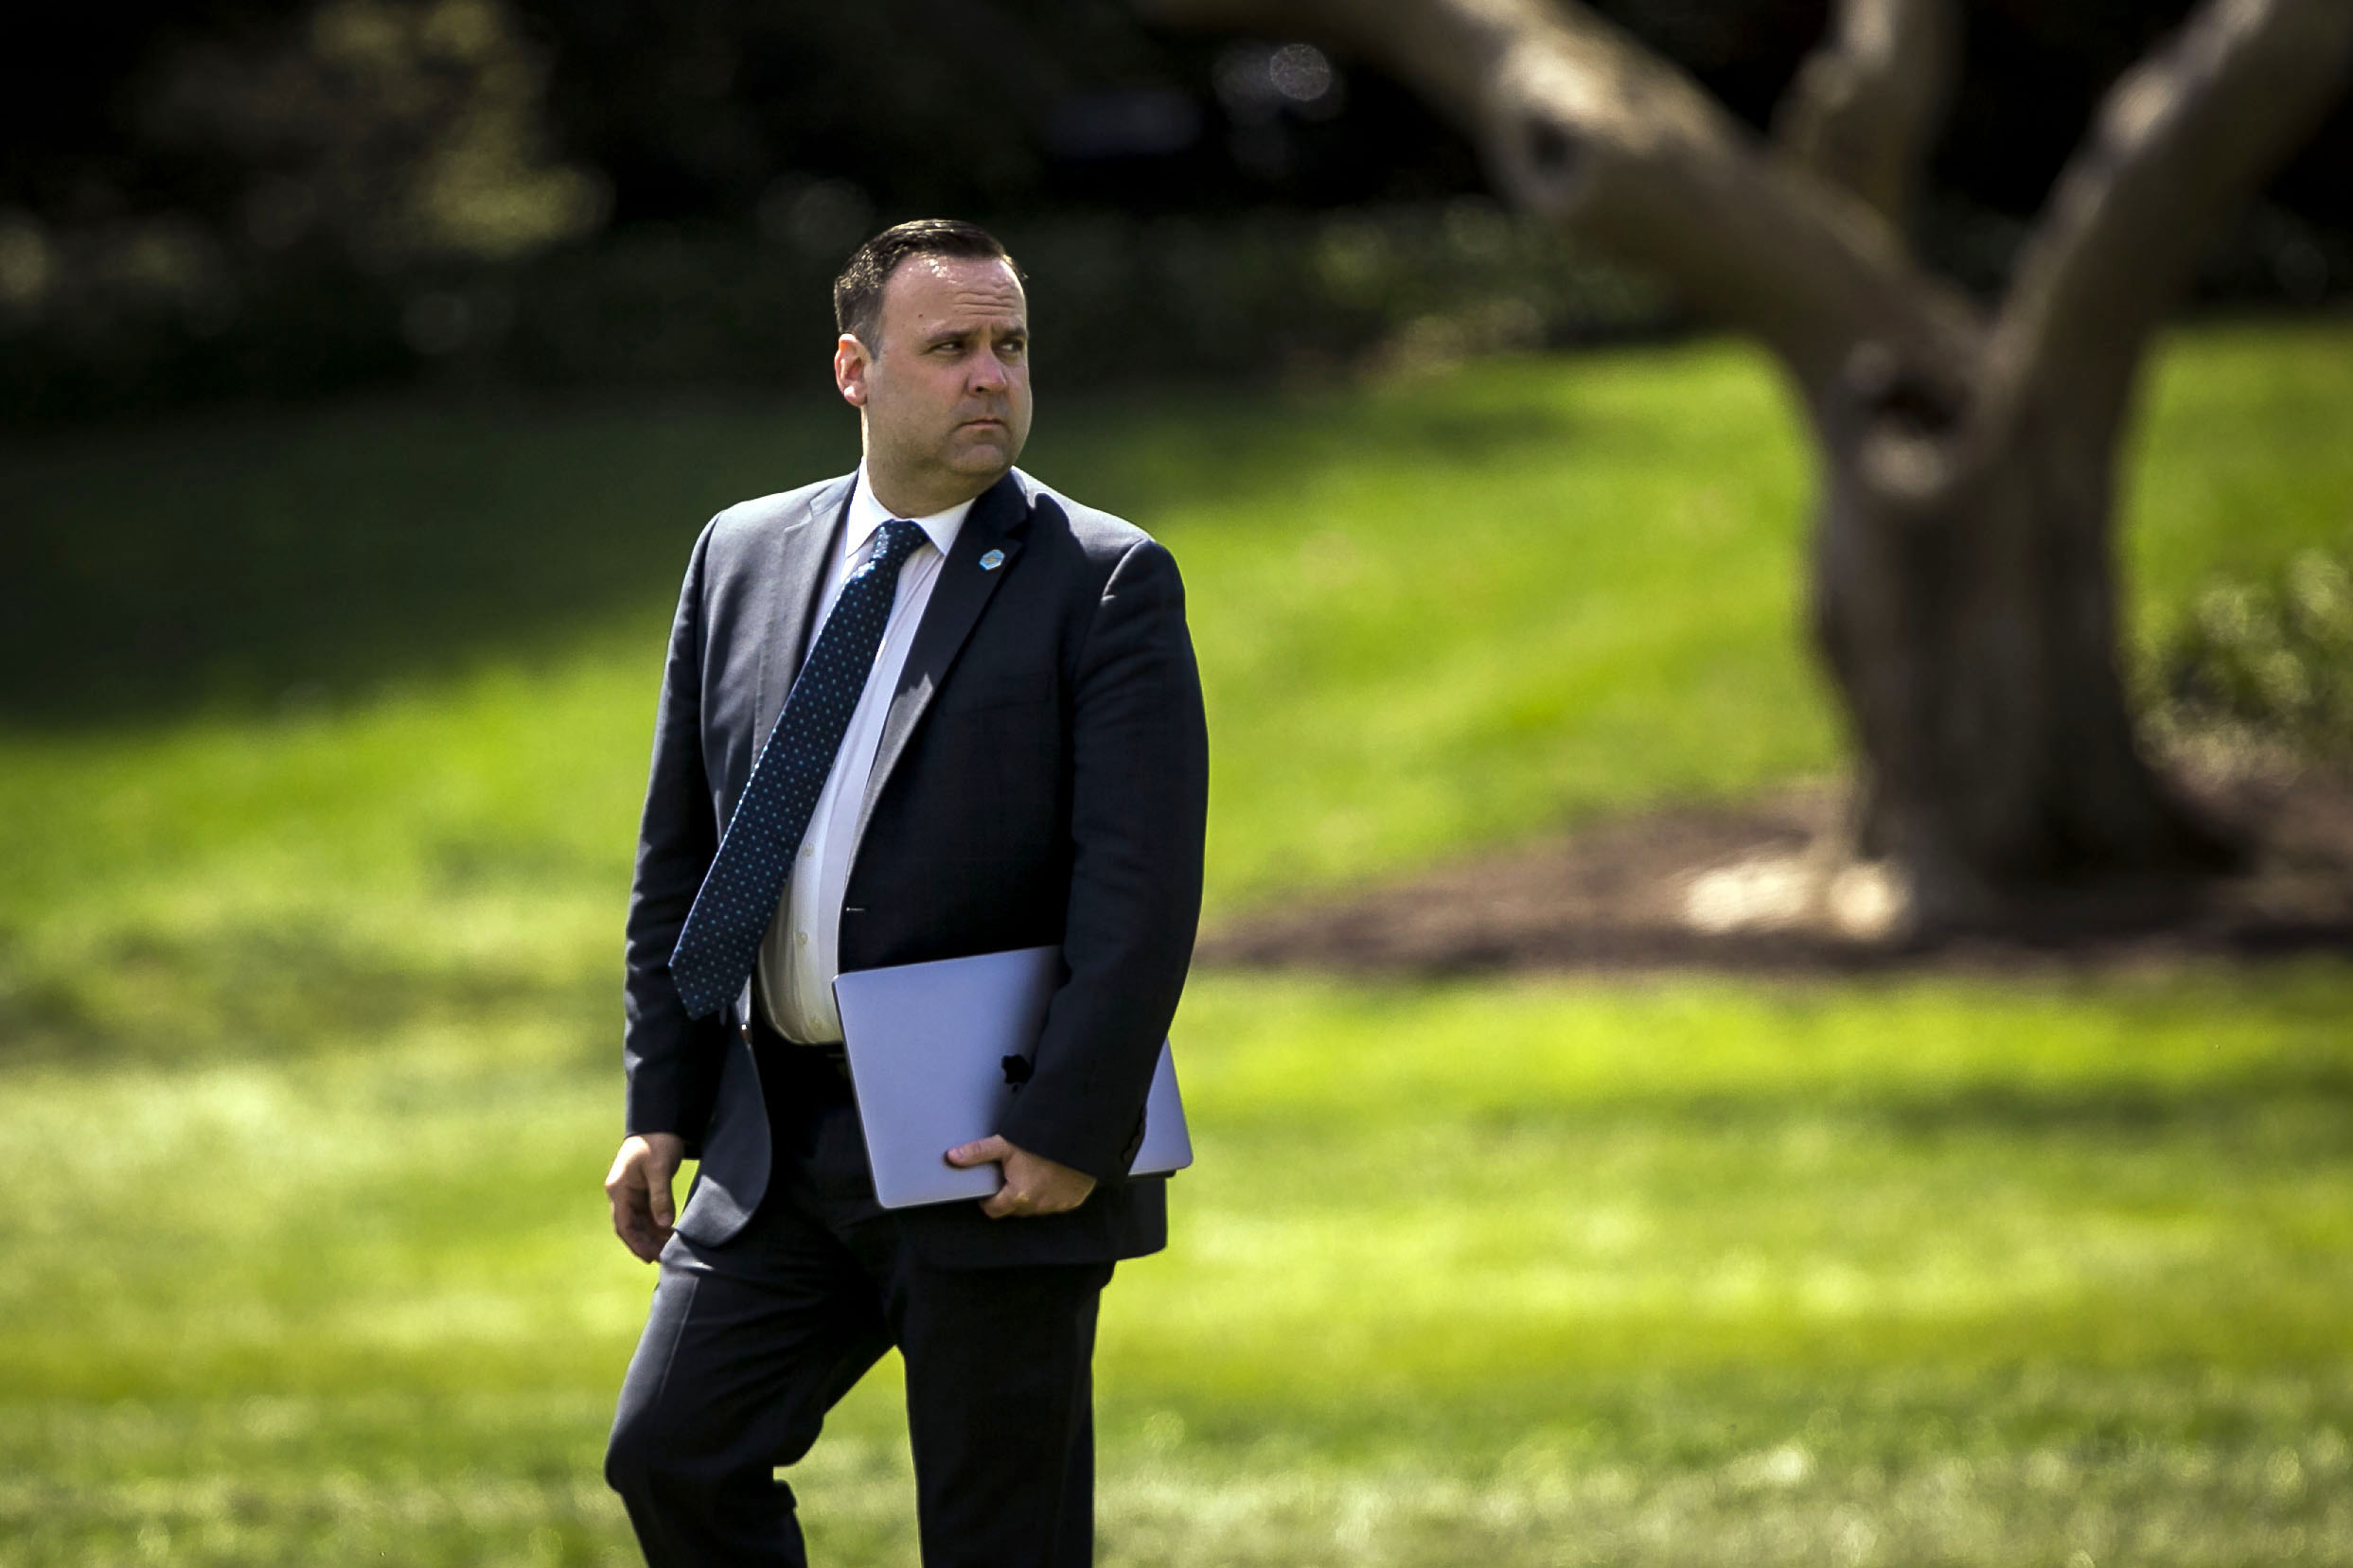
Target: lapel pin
[991, 561]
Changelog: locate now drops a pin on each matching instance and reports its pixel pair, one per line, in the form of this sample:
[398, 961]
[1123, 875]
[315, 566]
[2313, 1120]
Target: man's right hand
[639, 1185]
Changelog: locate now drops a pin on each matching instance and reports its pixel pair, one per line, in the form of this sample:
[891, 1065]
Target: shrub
[2276, 658]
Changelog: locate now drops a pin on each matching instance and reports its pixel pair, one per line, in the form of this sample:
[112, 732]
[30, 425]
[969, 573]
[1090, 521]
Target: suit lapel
[994, 524]
[803, 549]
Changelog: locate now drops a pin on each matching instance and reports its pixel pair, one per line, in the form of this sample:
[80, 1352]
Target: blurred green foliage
[221, 201]
[2276, 658]
[307, 1019]
[1120, 299]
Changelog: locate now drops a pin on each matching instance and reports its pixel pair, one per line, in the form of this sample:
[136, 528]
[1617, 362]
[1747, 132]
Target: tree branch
[2183, 139]
[1449, 51]
[1581, 124]
[1867, 104]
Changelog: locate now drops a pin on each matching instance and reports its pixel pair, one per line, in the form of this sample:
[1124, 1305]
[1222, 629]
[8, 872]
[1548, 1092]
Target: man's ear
[850, 360]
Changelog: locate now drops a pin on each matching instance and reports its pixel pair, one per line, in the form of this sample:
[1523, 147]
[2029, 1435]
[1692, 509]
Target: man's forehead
[935, 288]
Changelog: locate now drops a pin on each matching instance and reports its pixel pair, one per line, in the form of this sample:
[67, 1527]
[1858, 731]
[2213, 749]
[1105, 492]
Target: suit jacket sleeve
[1139, 806]
[672, 1061]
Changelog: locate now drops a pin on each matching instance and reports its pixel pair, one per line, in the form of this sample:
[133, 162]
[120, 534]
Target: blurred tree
[408, 129]
[400, 128]
[1964, 593]
[694, 108]
[214, 198]
[729, 109]
[225, 195]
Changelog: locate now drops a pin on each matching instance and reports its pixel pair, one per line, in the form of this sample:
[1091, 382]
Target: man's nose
[989, 374]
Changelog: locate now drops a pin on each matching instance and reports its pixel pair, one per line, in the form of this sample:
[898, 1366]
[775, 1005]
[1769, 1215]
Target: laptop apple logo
[1016, 1069]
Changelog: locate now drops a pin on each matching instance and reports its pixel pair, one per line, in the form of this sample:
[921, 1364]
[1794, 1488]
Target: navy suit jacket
[1042, 777]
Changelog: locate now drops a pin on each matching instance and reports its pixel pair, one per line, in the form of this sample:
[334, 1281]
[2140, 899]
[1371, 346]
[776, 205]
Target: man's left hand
[1033, 1183]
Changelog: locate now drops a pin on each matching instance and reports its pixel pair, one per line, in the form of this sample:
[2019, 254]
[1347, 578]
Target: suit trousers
[749, 1344]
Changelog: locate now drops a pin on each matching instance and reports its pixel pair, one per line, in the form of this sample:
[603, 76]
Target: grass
[309, 875]
[1691, 1272]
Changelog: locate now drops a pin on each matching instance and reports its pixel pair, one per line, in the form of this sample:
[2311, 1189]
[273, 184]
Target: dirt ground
[1756, 887]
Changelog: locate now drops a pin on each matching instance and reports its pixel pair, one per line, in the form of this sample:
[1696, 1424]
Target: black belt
[770, 1048]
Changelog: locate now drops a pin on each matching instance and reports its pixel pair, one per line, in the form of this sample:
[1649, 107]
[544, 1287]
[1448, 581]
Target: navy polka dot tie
[740, 893]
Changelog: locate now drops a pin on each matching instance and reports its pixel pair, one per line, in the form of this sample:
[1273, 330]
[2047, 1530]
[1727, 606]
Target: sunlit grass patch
[2154, 1470]
[1664, 1272]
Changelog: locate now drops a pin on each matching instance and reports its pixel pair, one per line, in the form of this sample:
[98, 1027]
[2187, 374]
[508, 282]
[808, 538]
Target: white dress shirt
[802, 952]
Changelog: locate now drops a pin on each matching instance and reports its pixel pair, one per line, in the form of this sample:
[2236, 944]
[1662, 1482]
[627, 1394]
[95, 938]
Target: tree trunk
[1965, 592]
[1964, 602]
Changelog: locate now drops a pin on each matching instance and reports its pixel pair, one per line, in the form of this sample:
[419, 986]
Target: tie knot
[893, 543]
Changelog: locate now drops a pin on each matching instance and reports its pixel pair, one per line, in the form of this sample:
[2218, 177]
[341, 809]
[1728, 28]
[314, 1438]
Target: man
[993, 739]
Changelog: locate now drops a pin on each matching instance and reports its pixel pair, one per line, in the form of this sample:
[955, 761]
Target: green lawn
[1693, 1272]
[309, 933]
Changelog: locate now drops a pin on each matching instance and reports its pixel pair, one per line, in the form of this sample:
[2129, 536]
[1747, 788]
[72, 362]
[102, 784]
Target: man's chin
[981, 455]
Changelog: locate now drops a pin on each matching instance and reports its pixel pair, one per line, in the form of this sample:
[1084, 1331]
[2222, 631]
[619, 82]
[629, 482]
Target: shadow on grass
[1136, 451]
[248, 562]
[262, 991]
[2242, 1103]
[256, 561]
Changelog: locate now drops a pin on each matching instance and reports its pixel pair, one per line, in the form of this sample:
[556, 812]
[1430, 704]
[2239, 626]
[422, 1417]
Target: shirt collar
[867, 514]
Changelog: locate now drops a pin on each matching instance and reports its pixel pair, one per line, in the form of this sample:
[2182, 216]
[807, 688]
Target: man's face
[944, 391]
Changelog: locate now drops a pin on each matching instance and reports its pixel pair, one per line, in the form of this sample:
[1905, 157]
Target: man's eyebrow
[964, 334]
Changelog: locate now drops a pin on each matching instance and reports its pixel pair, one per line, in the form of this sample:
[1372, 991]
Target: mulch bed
[1650, 892]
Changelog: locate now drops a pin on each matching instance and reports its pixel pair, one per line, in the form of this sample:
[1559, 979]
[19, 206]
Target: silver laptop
[938, 1051]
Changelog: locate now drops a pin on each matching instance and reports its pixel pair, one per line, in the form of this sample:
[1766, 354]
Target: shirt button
[801, 938]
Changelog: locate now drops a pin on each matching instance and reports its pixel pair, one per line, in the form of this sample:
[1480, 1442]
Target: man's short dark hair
[858, 292]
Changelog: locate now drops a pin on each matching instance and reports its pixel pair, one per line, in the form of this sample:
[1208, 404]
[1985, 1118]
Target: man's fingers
[1035, 1185]
[639, 1187]
[987, 1151]
[626, 1193]
[1010, 1202]
[637, 1230]
[627, 1223]
[990, 1150]
[631, 1220]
